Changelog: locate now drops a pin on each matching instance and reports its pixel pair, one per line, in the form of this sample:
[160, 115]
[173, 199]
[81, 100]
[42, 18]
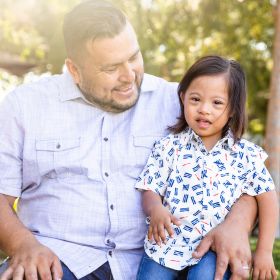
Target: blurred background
[172, 35]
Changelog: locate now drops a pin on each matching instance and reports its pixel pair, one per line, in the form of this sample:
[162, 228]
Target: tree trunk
[272, 138]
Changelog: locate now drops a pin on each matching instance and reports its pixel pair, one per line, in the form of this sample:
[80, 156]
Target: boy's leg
[206, 268]
[151, 270]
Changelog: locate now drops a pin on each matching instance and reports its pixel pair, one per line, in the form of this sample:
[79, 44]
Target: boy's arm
[268, 218]
[230, 240]
[149, 200]
[28, 257]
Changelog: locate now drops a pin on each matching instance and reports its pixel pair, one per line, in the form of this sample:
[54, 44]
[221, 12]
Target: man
[71, 147]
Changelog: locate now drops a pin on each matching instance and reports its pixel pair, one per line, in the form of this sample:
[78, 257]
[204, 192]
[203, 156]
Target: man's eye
[111, 70]
[133, 58]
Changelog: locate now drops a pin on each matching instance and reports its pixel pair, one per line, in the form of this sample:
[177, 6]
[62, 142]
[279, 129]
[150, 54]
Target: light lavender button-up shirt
[74, 168]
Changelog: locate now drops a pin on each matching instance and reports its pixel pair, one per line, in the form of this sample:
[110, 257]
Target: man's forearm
[243, 213]
[12, 231]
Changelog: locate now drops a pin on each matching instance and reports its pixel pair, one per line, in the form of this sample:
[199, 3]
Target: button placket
[107, 153]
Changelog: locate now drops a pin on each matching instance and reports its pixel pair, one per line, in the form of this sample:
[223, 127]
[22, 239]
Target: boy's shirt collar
[227, 142]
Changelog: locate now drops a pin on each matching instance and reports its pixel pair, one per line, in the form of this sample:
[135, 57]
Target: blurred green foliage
[172, 35]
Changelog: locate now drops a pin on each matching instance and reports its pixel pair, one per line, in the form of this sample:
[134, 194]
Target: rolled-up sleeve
[11, 145]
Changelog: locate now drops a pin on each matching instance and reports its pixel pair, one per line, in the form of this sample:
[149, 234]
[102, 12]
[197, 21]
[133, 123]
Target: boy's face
[111, 75]
[206, 107]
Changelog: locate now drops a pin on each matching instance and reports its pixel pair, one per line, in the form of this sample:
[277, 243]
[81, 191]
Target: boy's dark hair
[212, 66]
[90, 20]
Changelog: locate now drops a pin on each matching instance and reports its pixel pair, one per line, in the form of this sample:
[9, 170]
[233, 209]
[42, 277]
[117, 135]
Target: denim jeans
[101, 273]
[205, 269]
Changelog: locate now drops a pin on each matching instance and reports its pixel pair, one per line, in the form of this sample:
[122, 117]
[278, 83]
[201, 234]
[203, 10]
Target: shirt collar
[226, 142]
[69, 90]
[149, 84]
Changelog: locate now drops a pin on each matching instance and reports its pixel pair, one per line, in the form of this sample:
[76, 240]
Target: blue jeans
[205, 269]
[101, 273]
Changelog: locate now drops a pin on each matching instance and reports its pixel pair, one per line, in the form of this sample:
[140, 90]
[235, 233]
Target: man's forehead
[113, 49]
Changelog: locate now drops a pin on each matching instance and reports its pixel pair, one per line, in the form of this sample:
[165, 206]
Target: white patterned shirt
[74, 168]
[199, 188]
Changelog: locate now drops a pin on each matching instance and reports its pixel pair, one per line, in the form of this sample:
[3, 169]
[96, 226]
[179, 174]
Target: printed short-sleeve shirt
[199, 187]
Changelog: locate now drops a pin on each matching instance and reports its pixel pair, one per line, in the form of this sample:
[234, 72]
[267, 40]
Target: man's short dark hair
[90, 20]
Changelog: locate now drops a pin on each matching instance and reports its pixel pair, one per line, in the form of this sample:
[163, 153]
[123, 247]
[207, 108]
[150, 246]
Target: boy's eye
[195, 99]
[218, 102]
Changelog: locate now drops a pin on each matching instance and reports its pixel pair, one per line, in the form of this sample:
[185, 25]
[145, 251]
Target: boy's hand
[263, 266]
[161, 220]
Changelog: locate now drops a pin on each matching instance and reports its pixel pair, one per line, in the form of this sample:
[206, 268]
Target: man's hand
[232, 248]
[33, 261]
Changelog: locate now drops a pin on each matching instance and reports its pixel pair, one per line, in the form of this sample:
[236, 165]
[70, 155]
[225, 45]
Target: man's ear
[73, 70]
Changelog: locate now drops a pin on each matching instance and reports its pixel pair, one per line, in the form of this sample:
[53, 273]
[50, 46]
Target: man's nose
[127, 73]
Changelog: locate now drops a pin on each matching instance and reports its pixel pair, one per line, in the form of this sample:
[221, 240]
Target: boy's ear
[182, 96]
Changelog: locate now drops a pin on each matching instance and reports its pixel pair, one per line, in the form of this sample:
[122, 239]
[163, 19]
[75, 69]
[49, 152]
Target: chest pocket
[143, 146]
[59, 157]
[137, 154]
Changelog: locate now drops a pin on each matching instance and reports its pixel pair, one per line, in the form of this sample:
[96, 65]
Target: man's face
[111, 75]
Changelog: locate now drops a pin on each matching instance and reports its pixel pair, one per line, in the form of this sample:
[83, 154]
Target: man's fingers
[203, 247]
[18, 273]
[44, 270]
[8, 274]
[240, 269]
[221, 266]
[29, 273]
[56, 268]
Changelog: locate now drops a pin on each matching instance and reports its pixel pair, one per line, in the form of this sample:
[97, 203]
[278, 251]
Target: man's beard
[110, 105]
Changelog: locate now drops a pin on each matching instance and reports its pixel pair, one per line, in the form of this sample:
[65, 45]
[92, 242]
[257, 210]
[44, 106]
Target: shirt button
[112, 207]
[58, 146]
[108, 241]
[110, 253]
[105, 139]
[106, 174]
[203, 216]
